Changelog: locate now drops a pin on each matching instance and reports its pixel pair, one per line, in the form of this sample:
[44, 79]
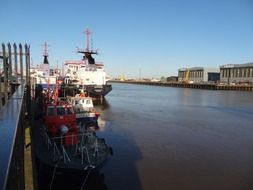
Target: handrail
[9, 122]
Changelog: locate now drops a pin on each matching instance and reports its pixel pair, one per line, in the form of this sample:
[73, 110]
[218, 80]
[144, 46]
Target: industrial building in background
[236, 73]
[198, 75]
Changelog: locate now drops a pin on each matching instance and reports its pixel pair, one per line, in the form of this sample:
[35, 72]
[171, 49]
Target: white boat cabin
[81, 104]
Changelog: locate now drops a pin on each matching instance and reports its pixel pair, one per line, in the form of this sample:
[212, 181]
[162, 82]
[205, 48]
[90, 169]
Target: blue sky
[155, 37]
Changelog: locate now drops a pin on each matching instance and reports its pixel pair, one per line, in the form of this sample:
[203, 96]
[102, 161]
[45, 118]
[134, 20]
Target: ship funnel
[91, 60]
[45, 60]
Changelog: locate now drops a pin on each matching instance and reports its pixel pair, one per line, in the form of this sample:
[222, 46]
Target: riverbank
[207, 86]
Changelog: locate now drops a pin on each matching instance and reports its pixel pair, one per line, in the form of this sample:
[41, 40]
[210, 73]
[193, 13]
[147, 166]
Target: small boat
[84, 109]
[60, 144]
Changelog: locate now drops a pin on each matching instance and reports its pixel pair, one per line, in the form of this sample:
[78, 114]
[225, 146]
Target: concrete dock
[28, 165]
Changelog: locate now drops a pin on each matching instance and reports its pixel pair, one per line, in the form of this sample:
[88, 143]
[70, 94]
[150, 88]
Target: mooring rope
[85, 179]
[52, 180]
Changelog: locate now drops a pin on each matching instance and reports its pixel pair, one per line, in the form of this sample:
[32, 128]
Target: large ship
[86, 74]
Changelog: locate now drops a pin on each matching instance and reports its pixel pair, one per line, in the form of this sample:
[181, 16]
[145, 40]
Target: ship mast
[88, 33]
[45, 61]
[45, 53]
[87, 52]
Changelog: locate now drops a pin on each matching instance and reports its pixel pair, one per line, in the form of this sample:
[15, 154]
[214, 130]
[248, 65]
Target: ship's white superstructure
[42, 78]
[43, 74]
[83, 73]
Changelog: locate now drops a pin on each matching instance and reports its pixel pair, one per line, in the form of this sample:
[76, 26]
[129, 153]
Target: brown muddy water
[176, 139]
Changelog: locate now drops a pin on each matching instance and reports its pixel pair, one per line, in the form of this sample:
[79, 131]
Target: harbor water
[177, 138]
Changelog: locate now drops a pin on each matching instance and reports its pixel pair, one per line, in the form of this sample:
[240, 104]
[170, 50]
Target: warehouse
[236, 73]
[198, 75]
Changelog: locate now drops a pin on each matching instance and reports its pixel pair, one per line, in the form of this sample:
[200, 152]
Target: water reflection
[103, 105]
[121, 170]
[93, 181]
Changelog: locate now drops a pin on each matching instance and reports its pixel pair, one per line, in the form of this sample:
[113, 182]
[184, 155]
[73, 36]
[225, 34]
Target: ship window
[60, 111]
[50, 111]
[87, 101]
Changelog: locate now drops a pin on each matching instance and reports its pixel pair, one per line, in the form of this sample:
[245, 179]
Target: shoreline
[206, 86]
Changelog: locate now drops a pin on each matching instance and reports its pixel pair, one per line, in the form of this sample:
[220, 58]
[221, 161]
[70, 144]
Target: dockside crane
[186, 77]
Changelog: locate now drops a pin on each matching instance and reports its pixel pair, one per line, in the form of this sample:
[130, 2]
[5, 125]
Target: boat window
[69, 111]
[60, 111]
[50, 111]
[87, 101]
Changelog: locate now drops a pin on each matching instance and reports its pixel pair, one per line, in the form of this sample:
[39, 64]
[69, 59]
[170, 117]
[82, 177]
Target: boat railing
[48, 140]
[56, 150]
[65, 154]
[82, 154]
[96, 152]
[81, 146]
[81, 135]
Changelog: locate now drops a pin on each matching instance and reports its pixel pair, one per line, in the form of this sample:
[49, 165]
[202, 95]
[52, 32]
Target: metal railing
[12, 142]
[15, 108]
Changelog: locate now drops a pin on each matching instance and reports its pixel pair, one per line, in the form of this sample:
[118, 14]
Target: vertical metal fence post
[16, 64]
[21, 63]
[29, 64]
[26, 65]
[1, 104]
[29, 69]
[28, 92]
[9, 62]
[5, 74]
[10, 77]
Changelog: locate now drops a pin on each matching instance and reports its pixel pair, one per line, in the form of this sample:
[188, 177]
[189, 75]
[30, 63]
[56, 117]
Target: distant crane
[186, 77]
[122, 77]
